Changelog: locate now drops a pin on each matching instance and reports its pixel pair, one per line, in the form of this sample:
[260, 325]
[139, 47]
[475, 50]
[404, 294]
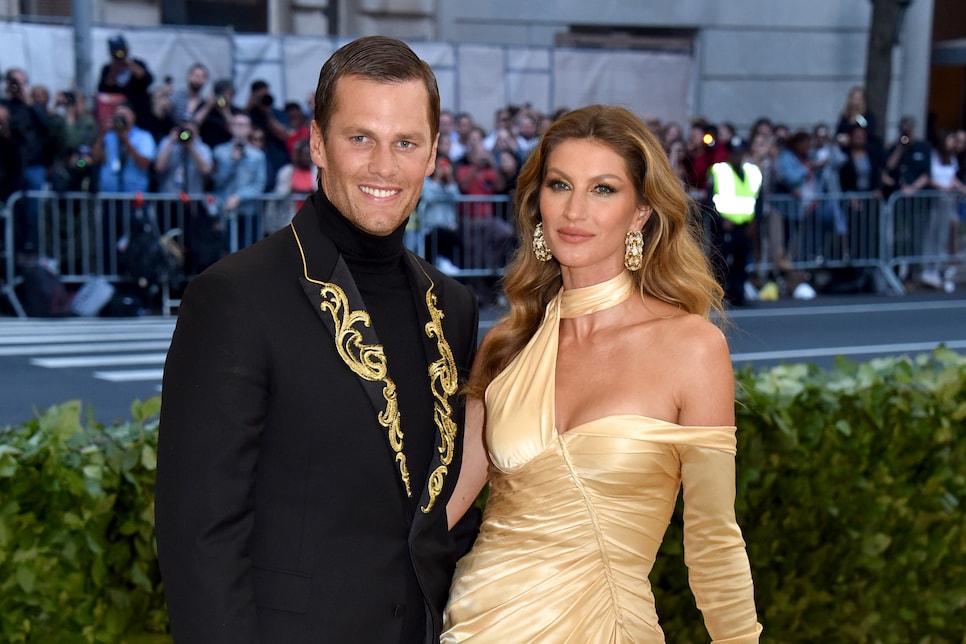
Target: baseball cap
[116, 44]
[737, 144]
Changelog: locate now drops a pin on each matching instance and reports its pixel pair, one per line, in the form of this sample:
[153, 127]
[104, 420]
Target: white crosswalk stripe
[114, 350]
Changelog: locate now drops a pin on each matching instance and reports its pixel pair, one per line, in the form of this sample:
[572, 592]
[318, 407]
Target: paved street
[109, 362]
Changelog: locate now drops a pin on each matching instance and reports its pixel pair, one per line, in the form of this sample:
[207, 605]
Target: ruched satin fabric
[574, 520]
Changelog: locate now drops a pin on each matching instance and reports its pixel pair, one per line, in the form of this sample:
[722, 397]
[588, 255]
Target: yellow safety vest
[734, 199]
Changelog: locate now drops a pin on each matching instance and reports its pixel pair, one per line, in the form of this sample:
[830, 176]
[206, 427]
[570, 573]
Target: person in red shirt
[486, 234]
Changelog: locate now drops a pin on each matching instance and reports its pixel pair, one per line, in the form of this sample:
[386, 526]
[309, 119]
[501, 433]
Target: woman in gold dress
[603, 392]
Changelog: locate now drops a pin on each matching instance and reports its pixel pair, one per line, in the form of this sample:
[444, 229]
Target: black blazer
[281, 511]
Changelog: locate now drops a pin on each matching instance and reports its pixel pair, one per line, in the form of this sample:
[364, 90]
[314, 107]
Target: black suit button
[400, 610]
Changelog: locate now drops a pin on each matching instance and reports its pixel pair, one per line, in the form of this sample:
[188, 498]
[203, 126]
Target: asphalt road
[108, 363]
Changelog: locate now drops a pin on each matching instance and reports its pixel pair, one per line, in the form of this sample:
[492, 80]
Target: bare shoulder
[687, 335]
[688, 361]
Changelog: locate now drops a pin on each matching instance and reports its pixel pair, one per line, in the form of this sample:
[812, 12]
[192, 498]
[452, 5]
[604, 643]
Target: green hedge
[77, 555]
[850, 490]
[850, 482]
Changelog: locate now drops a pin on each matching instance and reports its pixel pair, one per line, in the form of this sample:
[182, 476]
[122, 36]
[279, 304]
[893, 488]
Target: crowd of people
[142, 134]
[842, 155]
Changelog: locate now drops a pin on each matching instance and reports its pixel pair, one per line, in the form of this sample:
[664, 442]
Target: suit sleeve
[714, 551]
[213, 406]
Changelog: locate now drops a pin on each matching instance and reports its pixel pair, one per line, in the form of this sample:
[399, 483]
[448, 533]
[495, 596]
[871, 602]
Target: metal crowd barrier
[923, 236]
[79, 233]
[895, 237]
[824, 231]
[465, 236]
[471, 237]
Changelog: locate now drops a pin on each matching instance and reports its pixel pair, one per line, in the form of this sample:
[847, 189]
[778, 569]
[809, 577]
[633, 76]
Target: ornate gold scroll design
[444, 381]
[367, 361]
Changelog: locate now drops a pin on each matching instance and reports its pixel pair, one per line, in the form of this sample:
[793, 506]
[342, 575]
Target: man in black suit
[311, 423]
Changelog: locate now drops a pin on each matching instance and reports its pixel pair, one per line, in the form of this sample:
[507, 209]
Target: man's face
[445, 123]
[126, 113]
[241, 127]
[197, 78]
[378, 150]
[296, 118]
[17, 84]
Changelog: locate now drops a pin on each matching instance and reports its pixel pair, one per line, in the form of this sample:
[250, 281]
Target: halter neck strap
[590, 299]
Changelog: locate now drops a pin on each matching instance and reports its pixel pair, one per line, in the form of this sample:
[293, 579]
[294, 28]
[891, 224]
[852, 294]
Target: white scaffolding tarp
[478, 79]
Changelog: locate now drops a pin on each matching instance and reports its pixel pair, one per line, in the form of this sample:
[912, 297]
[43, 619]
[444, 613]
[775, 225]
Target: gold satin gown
[574, 520]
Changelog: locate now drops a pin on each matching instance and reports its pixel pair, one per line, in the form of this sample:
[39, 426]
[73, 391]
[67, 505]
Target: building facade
[793, 63]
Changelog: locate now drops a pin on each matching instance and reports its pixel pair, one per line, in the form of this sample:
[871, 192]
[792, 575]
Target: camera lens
[184, 135]
[221, 101]
[120, 123]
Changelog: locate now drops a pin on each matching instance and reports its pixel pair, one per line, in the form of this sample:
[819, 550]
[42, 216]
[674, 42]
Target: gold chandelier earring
[540, 248]
[633, 250]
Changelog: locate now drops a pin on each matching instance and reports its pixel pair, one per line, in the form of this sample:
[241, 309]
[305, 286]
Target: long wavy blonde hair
[675, 268]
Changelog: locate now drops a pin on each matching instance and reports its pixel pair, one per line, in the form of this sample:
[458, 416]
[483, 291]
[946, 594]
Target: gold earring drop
[540, 248]
[633, 250]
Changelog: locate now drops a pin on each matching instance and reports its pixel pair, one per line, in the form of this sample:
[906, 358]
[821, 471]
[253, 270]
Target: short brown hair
[377, 58]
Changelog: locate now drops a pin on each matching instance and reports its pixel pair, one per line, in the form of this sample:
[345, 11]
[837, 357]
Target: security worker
[733, 189]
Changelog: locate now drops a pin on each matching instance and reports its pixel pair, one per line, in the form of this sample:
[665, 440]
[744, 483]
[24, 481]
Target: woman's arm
[714, 551]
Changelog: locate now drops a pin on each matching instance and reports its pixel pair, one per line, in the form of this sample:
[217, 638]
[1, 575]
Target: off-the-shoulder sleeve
[714, 551]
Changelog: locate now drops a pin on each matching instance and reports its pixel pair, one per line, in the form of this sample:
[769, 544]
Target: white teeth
[375, 192]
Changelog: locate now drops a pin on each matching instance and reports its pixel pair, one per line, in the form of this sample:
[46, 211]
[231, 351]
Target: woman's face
[588, 203]
[949, 143]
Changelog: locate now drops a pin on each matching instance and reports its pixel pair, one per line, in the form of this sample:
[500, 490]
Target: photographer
[11, 169]
[71, 125]
[183, 167]
[184, 161]
[35, 152]
[907, 161]
[265, 116]
[239, 178]
[214, 115]
[127, 76]
[124, 153]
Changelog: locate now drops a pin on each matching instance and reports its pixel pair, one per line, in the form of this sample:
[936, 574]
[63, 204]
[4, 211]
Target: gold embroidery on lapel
[444, 381]
[369, 362]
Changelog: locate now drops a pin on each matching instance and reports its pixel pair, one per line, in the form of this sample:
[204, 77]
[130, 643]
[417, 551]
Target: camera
[221, 101]
[268, 100]
[70, 98]
[904, 140]
[120, 123]
[184, 135]
[13, 87]
[82, 158]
